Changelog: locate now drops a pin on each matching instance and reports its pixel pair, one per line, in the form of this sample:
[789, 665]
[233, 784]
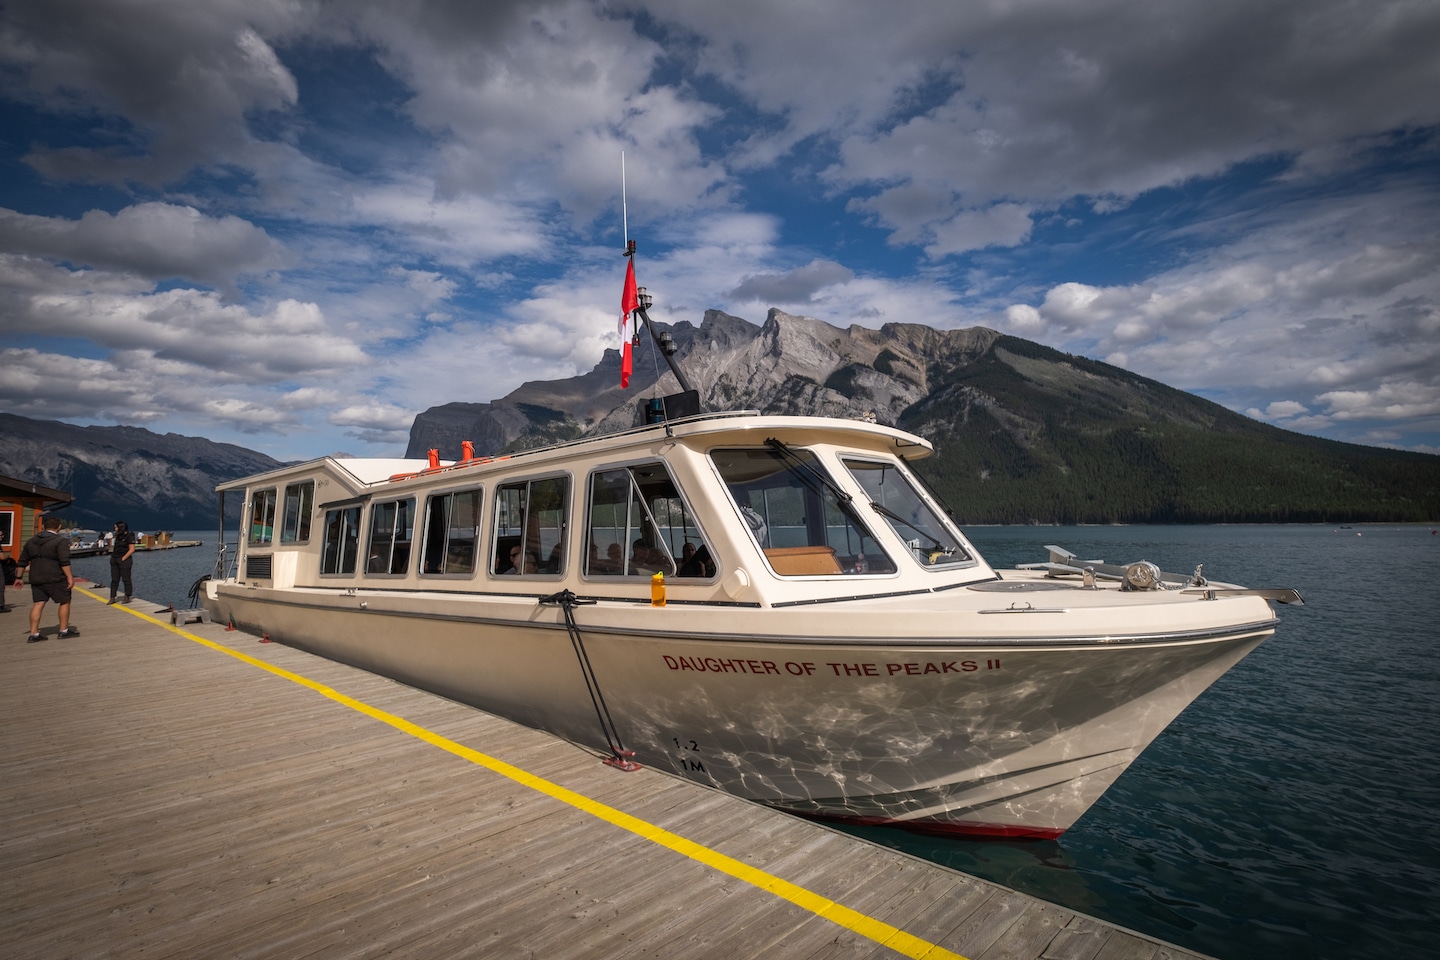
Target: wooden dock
[187, 792]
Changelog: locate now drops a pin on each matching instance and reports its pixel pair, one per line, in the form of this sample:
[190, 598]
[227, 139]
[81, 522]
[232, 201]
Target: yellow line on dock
[853, 920]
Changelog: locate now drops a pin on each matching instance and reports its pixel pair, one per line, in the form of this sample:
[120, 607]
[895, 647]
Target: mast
[663, 341]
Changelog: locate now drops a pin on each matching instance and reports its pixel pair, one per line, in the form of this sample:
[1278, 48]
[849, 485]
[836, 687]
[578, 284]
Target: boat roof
[368, 470]
[747, 426]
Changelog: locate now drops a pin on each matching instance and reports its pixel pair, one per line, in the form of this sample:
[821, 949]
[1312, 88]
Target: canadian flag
[628, 302]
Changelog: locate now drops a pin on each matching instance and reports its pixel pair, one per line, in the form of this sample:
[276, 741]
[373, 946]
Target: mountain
[1023, 433]
[149, 480]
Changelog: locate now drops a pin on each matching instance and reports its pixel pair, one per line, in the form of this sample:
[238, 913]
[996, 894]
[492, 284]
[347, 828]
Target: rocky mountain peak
[1022, 432]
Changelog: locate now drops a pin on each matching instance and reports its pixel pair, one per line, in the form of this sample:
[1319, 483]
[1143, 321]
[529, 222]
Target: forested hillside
[1028, 434]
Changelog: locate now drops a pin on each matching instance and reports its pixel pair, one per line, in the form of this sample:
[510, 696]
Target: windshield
[932, 542]
[791, 507]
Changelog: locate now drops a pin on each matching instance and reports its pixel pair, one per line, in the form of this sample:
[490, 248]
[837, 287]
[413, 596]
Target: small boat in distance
[774, 606]
[143, 542]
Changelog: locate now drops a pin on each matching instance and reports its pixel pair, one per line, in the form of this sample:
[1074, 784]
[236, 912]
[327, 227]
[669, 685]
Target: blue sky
[292, 224]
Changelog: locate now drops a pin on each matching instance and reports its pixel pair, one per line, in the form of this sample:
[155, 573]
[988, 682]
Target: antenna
[664, 344]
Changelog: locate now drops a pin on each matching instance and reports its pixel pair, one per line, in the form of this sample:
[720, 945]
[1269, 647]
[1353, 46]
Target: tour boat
[774, 606]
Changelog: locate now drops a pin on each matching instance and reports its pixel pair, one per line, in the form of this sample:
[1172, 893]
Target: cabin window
[639, 525]
[893, 496]
[452, 533]
[299, 504]
[803, 522]
[530, 523]
[342, 541]
[262, 517]
[392, 526]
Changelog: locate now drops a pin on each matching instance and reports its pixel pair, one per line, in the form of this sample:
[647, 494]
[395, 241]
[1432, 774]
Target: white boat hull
[1001, 734]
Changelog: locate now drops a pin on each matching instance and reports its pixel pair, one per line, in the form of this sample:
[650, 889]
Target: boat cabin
[719, 505]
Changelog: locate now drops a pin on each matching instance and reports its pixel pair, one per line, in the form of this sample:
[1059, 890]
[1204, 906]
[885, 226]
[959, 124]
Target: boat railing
[225, 562]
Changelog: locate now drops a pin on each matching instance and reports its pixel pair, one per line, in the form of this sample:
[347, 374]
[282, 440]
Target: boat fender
[736, 584]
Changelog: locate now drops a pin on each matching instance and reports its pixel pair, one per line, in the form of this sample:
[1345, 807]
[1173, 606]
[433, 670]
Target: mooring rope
[567, 601]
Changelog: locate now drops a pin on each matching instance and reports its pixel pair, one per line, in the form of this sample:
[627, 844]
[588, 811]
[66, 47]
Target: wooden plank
[905, 903]
[1030, 936]
[1081, 939]
[1121, 945]
[160, 799]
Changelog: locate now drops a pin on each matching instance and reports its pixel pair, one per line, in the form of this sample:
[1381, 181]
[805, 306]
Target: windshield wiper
[938, 549]
[798, 463]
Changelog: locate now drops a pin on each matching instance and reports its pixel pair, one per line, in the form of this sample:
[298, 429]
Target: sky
[293, 224]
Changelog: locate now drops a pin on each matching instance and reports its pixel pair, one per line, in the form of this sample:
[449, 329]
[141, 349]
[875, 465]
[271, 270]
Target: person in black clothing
[9, 573]
[122, 559]
[47, 557]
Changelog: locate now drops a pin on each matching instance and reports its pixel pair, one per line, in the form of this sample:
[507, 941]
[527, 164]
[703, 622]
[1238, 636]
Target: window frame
[332, 515]
[304, 512]
[918, 491]
[805, 558]
[523, 540]
[431, 498]
[377, 507]
[673, 563]
[266, 535]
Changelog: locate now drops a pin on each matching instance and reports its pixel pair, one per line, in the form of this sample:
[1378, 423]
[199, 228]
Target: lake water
[1292, 811]
[164, 576]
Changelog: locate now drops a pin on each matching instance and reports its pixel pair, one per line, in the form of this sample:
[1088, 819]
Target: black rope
[567, 601]
[195, 589]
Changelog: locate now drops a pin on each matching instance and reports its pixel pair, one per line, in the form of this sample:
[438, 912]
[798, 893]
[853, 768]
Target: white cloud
[432, 287]
[460, 230]
[793, 286]
[1328, 304]
[1024, 320]
[157, 241]
[1389, 401]
[1000, 225]
[230, 342]
[383, 416]
[416, 216]
[1282, 409]
[185, 78]
[1056, 100]
[540, 99]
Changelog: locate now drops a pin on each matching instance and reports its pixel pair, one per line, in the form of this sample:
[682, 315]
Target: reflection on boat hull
[1005, 736]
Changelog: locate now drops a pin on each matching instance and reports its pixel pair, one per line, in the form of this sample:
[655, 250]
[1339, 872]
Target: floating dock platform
[178, 790]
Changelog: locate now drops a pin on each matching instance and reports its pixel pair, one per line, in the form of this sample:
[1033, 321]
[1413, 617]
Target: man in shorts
[47, 557]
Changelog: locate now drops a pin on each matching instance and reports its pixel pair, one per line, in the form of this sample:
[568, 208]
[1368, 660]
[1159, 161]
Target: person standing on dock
[122, 560]
[47, 556]
[9, 573]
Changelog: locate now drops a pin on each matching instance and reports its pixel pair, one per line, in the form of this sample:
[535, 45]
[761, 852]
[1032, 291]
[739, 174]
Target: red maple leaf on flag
[629, 300]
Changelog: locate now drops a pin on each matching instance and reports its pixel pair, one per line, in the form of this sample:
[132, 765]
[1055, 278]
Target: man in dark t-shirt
[47, 557]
